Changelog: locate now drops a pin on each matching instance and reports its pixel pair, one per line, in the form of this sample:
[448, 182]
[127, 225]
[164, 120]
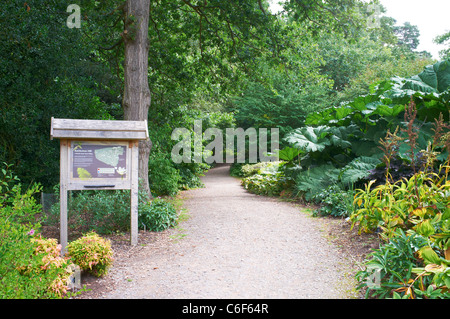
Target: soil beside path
[233, 245]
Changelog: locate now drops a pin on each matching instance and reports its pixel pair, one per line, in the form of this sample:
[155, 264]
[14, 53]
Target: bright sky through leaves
[430, 16]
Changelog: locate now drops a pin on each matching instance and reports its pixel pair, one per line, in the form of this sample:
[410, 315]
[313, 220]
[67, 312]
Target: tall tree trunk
[137, 98]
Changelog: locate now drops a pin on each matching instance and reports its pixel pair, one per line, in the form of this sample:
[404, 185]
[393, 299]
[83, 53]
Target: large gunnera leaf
[434, 79]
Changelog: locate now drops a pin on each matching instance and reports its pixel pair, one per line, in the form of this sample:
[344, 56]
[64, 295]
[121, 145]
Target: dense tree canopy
[203, 57]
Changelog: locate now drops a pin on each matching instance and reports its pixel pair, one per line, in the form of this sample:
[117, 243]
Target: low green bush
[157, 215]
[236, 169]
[334, 201]
[104, 211]
[30, 266]
[389, 268]
[413, 217]
[164, 178]
[190, 175]
[92, 253]
[265, 178]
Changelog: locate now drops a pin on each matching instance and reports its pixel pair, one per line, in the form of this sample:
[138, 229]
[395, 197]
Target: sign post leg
[134, 191]
[64, 149]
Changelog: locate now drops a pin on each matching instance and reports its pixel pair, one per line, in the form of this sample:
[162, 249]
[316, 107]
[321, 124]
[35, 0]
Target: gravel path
[234, 245]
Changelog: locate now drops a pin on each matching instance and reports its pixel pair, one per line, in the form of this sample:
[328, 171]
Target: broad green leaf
[435, 78]
[358, 169]
[429, 255]
[289, 153]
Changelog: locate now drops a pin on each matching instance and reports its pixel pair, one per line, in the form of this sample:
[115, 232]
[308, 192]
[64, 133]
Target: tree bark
[137, 97]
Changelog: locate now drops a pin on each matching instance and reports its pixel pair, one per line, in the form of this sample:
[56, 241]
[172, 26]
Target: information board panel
[99, 160]
[98, 155]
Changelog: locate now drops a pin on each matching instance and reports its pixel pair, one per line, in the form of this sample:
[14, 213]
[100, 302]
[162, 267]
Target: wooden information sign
[97, 154]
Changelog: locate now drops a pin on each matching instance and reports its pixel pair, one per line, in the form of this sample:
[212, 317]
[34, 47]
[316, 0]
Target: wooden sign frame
[89, 151]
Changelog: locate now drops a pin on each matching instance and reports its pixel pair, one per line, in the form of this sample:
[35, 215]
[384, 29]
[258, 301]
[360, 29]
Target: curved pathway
[235, 245]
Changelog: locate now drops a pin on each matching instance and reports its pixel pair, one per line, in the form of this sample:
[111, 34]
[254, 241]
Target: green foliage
[415, 209]
[18, 207]
[313, 180]
[236, 169]
[386, 102]
[275, 106]
[392, 205]
[389, 268]
[157, 215]
[408, 35]
[358, 169]
[47, 71]
[289, 154]
[92, 253]
[30, 266]
[334, 201]
[323, 143]
[265, 178]
[400, 269]
[341, 144]
[434, 79]
[164, 178]
[444, 39]
[104, 211]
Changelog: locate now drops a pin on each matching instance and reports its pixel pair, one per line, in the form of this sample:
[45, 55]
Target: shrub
[236, 169]
[265, 178]
[413, 217]
[164, 178]
[92, 253]
[313, 180]
[104, 211]
[53, 262]
[401, 269]
[30, 266]
[268, 185]
[190, 175]
[157, 215]
[391, 265]
[390, 206]
[334, 201]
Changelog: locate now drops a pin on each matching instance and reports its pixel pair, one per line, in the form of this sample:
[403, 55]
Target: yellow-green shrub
[92, 253]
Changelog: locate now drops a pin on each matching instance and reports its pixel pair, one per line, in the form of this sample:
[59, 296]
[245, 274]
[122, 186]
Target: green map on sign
[109, 155]
[83, 174]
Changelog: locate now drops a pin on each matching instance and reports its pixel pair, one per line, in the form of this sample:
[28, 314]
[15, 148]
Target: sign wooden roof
[98, 129]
